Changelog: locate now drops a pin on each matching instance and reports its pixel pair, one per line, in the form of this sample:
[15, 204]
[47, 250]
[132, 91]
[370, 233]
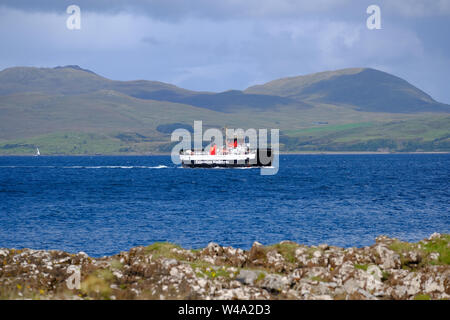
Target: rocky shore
[389, 269]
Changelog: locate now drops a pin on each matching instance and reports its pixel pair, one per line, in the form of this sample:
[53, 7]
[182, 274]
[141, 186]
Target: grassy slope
[130, 133]
[422, 133]
[73, 81]
[364, 89]
[108, 122]
[92, 119]
[293, 86]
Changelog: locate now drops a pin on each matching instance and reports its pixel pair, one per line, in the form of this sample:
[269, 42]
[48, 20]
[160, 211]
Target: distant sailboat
[37, 152]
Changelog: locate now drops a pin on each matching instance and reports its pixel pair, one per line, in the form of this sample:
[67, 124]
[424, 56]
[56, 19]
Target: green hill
[70, 110]
[364, 89]
[72, 80]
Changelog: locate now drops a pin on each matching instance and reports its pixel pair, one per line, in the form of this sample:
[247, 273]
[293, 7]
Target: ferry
[234, 154]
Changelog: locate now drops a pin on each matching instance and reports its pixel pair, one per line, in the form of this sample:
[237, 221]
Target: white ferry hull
[227, 160]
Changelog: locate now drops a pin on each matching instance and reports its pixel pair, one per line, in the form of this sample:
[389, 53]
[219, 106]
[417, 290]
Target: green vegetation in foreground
[103, 281]
[362, 266]
[216, 272]
[422, 297]
[424, 249]
[287, 250]
[319, 279]
[440, 246]
[162, 249]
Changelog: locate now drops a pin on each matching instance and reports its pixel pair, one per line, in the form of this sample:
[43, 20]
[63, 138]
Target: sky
[218, 45]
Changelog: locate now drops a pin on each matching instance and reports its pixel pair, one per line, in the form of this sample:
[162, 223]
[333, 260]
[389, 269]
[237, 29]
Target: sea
[106, 204]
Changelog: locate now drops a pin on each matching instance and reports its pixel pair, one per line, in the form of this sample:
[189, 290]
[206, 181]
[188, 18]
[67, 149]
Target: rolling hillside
[364, 89]
[70, 110]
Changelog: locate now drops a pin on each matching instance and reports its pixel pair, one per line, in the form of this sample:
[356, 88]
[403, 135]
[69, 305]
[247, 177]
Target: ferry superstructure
[233, 154]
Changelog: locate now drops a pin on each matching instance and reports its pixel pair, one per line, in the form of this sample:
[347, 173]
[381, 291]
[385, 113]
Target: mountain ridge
[71, 110]
[364, 89]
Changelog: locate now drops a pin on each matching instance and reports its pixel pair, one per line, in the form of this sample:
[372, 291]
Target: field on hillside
[425, 133]
[69, 110]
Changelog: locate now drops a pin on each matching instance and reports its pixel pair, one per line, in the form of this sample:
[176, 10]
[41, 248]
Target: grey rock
[274, 282]
[389, 259]
[247, 276]
[375, 271]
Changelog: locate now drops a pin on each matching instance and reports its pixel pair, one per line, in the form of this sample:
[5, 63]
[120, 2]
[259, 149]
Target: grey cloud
[178, 9]
[235, 9]
[232, 52]
[419, 8]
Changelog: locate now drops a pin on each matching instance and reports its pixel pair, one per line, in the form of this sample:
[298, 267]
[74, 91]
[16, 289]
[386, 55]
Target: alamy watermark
[374, 20]
[74, 280]
[73, 22]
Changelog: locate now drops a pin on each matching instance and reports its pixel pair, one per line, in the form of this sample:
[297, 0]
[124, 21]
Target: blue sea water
[103, 205]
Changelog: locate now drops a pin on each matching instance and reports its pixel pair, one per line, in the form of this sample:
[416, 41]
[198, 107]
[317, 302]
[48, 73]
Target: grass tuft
[162, 249]
[361, 266]
[287, 250]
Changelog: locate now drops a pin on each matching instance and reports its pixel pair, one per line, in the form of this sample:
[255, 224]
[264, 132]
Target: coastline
[389, 269]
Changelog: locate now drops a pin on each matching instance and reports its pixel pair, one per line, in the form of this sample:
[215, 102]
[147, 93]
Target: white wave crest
[91, 167]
